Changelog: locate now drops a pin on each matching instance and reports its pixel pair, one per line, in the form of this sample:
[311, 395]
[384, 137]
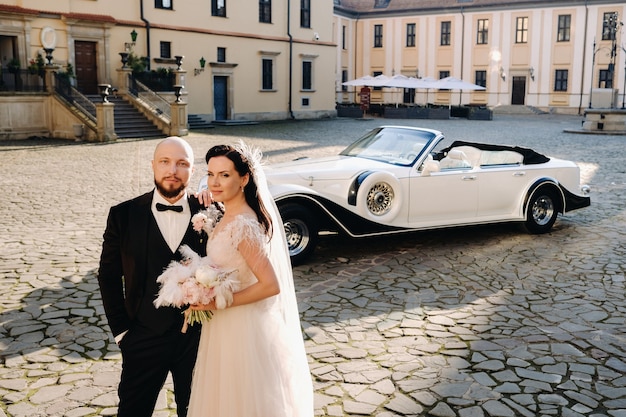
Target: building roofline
[359, 9]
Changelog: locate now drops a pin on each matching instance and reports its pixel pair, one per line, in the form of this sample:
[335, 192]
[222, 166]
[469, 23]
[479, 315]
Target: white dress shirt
[172, 225]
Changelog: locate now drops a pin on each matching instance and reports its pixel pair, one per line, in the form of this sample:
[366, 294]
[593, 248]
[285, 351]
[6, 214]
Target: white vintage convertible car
[397, 179]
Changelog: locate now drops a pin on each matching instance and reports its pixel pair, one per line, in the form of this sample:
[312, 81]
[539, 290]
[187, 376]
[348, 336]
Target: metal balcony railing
[151, 100]
[21, 80]
[64, 88]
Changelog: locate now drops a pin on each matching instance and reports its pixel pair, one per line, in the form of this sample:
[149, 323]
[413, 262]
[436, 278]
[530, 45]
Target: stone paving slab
[477, 321]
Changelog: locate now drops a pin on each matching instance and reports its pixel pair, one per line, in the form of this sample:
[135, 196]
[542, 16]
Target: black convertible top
[530, 156]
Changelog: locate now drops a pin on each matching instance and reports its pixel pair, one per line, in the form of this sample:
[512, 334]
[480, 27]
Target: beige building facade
[261, 60]
[281, 59]
[552, 55]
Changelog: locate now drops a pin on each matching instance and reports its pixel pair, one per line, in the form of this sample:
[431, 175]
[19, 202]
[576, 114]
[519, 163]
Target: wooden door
[86, 68]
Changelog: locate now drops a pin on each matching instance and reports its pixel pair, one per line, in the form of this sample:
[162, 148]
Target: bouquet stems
[195, 316]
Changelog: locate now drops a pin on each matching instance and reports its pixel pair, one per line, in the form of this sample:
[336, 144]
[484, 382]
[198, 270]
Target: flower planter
[439, 113]
[417, 113]
[477, 113]
[354, 112]
[395, 113]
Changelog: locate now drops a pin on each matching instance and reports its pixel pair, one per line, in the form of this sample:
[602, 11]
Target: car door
[447, 197]
[501, 191]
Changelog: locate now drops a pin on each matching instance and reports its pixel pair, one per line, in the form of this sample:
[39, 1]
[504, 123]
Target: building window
[376, 74]
[410, 34]
[609, 25]
[218, 8]
[565, 22]
[265, 11]
[378, 36]
[165, 49]
[221, 54]
[408, 95]
[343, 37]
[605, 80]
[344, 78]
[305, 13]
[163, 4]
[268, 74]
[482, 32]
[560, 80]
[307, 75]
[445, 33]
[444, 74]
[481, 78]
[521, 30]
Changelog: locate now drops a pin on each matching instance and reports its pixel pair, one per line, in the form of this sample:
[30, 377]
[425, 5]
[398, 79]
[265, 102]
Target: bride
[251, 360]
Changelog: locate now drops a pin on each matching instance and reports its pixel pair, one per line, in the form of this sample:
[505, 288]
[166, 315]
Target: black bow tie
[163, 207]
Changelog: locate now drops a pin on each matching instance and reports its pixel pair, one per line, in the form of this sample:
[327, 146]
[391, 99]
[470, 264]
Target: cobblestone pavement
[469, 322]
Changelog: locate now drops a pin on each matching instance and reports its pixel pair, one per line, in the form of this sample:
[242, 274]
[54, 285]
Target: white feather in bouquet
[194, 280]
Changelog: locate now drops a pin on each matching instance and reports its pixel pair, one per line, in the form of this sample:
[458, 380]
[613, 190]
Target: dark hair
[242, 166]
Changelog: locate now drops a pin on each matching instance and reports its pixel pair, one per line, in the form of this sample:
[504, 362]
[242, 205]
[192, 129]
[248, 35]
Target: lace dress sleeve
[248, 228]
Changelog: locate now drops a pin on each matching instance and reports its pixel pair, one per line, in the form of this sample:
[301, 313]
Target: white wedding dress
[251, 361]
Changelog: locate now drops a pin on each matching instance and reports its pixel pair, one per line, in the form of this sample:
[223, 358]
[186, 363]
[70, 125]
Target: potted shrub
[349, 110]
[14, 66]
[395, 111]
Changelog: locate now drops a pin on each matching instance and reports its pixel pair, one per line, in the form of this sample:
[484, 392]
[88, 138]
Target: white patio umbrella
[368, 80]
[402, 81]
[451, 83]
[360, 82]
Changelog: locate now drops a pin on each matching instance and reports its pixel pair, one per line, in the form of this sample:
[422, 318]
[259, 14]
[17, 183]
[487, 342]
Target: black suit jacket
[123, 271]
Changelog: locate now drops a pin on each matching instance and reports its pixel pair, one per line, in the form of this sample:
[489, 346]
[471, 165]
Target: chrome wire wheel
[380, 198]
[297, 234]
[543, 210]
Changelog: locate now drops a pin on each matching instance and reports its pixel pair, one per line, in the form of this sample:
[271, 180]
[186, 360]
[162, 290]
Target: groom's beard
[169, 193]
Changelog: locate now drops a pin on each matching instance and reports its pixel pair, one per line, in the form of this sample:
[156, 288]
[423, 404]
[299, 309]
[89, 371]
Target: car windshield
[398, 146]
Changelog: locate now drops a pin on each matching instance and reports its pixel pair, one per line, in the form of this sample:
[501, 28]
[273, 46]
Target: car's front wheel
[300, 230]
[541, 211]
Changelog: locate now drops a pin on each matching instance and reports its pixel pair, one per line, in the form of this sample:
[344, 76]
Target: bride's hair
[243, 165]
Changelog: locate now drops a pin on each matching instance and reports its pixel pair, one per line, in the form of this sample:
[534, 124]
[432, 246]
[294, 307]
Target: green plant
[68, 73]
[14, 65]
[36, 66]
[70, 70]
[138, 64]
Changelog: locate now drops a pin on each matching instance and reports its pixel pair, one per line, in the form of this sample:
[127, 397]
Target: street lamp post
[593, 61]
[624, 86]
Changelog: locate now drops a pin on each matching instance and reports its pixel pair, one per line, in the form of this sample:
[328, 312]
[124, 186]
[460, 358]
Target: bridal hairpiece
[252, 154]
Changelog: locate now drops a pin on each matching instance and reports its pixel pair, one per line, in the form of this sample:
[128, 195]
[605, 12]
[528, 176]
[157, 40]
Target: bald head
[172, 166]
[175, 140]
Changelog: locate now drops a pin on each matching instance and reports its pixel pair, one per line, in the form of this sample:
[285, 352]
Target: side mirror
[429, 166]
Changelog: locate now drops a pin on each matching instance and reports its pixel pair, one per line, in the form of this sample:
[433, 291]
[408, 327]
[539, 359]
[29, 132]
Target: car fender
[379, 196]
[539, 182]
[280, 191]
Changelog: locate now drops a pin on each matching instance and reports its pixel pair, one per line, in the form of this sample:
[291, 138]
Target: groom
[142, 237]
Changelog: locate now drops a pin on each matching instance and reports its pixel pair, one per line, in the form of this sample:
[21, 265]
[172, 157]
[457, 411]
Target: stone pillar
[123, 83]
[49, 77]
[178, 125]
[105, 122]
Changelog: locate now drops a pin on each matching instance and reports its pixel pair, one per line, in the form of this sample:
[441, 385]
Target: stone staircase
[197, 122]
[129, 122]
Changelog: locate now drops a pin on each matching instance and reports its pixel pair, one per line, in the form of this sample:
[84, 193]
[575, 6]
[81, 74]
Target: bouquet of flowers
[195, 280]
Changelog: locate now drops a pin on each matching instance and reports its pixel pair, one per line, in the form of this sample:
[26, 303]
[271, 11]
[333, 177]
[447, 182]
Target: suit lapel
[140, 217]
